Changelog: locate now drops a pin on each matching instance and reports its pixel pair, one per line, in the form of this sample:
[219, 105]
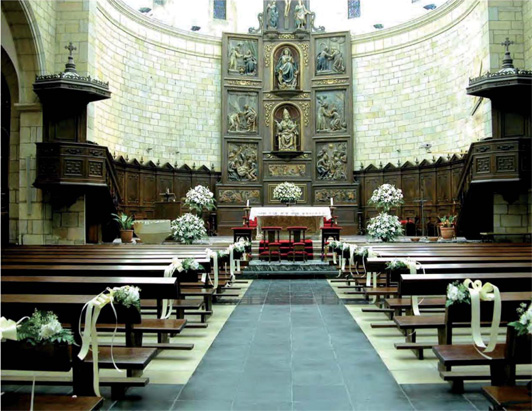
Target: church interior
[266, 205]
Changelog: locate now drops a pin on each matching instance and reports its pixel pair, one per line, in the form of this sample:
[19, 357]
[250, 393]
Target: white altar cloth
[290, 211]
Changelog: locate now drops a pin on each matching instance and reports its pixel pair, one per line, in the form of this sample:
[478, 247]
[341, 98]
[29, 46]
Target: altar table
[311, 217]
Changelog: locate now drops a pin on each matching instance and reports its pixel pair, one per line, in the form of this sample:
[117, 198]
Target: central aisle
[291, 344]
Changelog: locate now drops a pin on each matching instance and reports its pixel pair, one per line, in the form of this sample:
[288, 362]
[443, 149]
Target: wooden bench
[68, 309]
[14, 401]
[509, 398]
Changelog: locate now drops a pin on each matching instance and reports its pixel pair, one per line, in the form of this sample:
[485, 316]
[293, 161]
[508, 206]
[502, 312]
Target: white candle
[331, 201]
[247, 204]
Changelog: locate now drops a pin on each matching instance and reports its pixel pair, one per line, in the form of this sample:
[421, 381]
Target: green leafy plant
[447, 220]
[523, 326]
[457, 293]
[43, 327]
[395, 265]
[127, 295]
[124, 221]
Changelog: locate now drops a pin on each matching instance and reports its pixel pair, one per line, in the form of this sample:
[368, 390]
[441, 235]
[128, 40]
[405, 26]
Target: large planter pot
[447, 233]
[126, 236]
[152, 231]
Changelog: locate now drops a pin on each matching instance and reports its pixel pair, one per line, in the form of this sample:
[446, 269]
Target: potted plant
[447, 229]
[126, 226]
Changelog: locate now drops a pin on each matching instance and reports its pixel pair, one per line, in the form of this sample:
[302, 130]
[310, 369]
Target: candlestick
[247, 204]
[332, 201]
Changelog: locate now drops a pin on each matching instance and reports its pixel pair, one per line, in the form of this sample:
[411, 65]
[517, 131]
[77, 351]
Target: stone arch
[28, 45]
[12, 133]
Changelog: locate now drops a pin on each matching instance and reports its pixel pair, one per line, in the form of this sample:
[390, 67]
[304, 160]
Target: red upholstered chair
[299, 251]
[269, 235]
[274, 251]
[296, 234]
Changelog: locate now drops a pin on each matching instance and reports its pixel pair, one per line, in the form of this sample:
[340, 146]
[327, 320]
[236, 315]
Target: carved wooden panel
[148, 189]
[410, 187]
[132, 188]
[443, 186]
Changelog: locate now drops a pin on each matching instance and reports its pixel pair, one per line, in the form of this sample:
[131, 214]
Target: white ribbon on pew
[8, 328]
[231, 262]
[413, 266]
[486, 292]
[371, 254]
[213, 255]
[352, 250]
[334, 256]
[89, 338]
[166, 310]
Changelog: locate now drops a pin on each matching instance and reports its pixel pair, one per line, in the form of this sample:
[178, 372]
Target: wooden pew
[151, 288]
[502, 360]
[68, 309]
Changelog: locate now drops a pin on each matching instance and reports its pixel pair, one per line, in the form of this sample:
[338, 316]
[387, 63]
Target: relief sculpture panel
[287, 170]
[242, 112]
[330, 107]
[331, 162]
[242, 164]
[330, 55]
[340, 195]
[239, 196]
[242, 57]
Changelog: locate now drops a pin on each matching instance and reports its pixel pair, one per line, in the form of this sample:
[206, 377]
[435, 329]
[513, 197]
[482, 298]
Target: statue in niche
[329, 119]
[250, 63]
[331, 162]
[242, 163]
[273, 15]
[287, 133]
[300, 13]
[287, 70]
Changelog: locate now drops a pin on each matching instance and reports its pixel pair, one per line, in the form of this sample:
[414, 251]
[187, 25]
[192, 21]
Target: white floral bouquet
[395, 264]
[385, 227]
[188, 264]
[241, 245]
[43, 327]
[188, 228]
[128, 295]
[287, 192]
[457, 293]
[524, 325]
[386, 197]
[199, 198]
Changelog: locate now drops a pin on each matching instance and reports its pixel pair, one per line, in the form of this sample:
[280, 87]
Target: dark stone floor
[292, 345]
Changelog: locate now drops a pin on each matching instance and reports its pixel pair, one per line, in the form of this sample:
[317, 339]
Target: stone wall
[409, 86]
[166, 90]
[513, 217]
[527, 34]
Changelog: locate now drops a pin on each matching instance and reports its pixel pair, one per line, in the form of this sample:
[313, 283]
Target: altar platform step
[288, 270]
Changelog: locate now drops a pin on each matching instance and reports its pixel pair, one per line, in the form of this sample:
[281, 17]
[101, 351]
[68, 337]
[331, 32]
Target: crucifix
[507, 62]
[70, 67]
[167, 195]
[286, 14]
[507, 43]
[422, 202]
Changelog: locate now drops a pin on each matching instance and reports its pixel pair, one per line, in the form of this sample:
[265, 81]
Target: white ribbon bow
[214, 256]
[90, 335]
[8, 328]
[413, 266]
[486, 292]
[166, 310]
[371, 254]
[352, 249]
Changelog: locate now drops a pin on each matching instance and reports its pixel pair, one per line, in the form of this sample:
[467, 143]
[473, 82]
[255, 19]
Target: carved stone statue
[234, 55]
[287, 70]
[273, 15]
[300, 13]
[287, 133]
[242, 121]
[250, 63]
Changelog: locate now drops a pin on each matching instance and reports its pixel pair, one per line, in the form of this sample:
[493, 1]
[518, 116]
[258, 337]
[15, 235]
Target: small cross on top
[507, 44]
[70, 48]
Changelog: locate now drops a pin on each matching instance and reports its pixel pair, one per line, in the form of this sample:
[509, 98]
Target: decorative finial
[361, 165]
[417, 161]
[380, 164]
[70, 67]
[158, 162]
[141, 160]
[194, 166]
[507, 62]
[398, 163]
[175, 164]
[212, 166]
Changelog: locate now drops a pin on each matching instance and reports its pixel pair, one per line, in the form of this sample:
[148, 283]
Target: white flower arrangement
[457, 292]
[385, 227]
[524, 325]
[199, 198]
[188, 264]
[188, 228]
[386, 197]
[128, 295]
[395, 264]
[43, 327]
[240, 246]
[287, 192]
